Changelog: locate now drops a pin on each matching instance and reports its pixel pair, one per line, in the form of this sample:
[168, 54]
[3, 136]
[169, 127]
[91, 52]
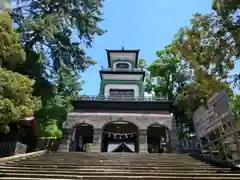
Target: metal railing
[118, 98]
[123, 69]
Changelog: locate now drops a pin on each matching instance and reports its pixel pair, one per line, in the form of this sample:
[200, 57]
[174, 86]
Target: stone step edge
[169, 178]
[111, 167]
[122, 173]
[62, 170]
[22, 156]
[12, 175]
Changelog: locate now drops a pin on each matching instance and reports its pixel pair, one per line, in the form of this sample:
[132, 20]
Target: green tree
[206, 46]
[169, 73]
[48, 26]
[195, 67]
[55, 109]
[228, 12]
[142, 64]
[53, 57]
[16, 99]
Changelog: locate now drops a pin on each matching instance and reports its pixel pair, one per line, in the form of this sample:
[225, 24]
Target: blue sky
[147, 25]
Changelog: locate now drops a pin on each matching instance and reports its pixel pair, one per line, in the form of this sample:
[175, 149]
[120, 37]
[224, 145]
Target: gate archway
[158, 138]
[120, 136]
[81, 137]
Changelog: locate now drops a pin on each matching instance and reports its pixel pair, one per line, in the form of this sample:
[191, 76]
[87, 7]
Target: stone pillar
[168, 141]
[97, 140]
[167, 135]
[175, 145]
[143, 146]
[65, 143]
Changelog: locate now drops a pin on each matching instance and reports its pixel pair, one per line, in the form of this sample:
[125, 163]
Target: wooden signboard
[207, 118]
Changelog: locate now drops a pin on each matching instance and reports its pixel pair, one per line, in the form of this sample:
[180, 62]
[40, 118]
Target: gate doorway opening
[120, 136]
[158, 139]
[82, 138]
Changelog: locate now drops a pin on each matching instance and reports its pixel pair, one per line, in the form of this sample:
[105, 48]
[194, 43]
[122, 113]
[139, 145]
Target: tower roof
[122, 55]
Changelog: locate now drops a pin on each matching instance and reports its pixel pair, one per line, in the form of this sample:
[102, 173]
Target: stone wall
[99, 120]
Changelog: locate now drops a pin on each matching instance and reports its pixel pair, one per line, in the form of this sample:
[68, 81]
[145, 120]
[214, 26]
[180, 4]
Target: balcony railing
[118, 98]
[123, 69]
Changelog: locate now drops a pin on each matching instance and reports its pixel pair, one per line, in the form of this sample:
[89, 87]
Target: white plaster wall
[123, 56]
[131, 77]
[129, 64]
[99, 120]
[121, 86]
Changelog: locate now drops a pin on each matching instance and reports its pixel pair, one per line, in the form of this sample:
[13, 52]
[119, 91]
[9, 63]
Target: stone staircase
[115, 166]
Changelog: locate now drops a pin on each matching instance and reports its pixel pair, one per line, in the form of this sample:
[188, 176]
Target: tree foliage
[228, 11]
[195, 66]
[16, 99]
[54, 34]
[206, 46]
[168, 72]
[49, 25]
[11, 52]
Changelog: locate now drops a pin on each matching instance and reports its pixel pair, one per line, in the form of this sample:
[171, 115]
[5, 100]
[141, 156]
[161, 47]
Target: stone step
[120, 153]
[108, 164]
[112, 162]
[90, 166]
[116, 158]
[122, 157]
[113, 157]
[116, 153]
[213, 170]
[126, 167]
[120, 177]
[130, 178]
[122, 173]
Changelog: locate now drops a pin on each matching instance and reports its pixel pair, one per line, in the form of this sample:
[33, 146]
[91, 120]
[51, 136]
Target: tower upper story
[122, 59]
[122, 78]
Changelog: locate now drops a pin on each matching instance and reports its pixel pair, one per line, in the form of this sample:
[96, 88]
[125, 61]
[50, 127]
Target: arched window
[122, 65]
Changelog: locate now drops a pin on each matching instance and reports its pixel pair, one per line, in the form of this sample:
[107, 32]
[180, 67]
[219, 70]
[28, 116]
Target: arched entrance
[82, 137]
[120, 136]
[158, 139]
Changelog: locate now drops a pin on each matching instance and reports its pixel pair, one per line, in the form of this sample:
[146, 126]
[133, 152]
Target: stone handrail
[22, 156]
